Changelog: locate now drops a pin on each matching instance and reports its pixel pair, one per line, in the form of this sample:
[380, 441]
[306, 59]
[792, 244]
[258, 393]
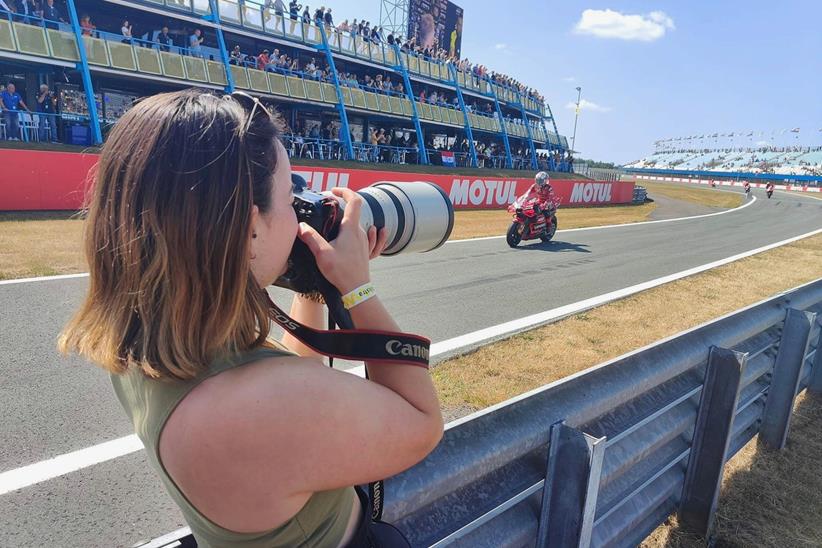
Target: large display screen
[437, 24]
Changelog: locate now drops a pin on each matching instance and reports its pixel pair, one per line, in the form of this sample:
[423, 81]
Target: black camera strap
[357, 345]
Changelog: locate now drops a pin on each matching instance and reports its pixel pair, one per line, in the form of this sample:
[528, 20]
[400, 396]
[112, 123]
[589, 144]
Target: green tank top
[149, 403]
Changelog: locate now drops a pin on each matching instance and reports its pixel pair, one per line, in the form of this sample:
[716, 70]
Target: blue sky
[677, 68]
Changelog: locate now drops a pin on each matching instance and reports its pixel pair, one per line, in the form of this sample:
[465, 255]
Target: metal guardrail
[602, 457]
[598, 173]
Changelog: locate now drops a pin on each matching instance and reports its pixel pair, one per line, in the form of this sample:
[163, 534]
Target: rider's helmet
[541, 179]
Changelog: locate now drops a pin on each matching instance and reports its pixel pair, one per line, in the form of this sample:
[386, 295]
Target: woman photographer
[259, 444]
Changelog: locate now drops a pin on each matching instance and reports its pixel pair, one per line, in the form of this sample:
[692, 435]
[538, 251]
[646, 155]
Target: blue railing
[40, 127]
[35, 20]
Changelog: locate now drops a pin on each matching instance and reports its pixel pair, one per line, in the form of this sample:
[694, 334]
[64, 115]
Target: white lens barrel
[418, 215]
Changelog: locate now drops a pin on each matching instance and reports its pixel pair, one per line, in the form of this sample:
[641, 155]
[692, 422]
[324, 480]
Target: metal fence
[598, 173]
[601, 458]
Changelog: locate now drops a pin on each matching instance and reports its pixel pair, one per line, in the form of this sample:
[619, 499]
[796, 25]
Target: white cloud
[585, 104]
[569, 79]
[762, 143]
[613, 24]
[501, 46]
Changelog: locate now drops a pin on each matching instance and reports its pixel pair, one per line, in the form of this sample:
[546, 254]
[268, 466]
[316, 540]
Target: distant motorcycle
[531, 221]
[769, 191]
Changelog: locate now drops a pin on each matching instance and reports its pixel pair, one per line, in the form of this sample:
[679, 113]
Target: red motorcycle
[531, 221]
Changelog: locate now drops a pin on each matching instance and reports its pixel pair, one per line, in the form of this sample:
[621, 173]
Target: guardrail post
[569, 497]
[785, 381]
[815, 384]
[712, 435]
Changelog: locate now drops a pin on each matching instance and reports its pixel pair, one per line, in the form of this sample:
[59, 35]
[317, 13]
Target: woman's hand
[344, 261]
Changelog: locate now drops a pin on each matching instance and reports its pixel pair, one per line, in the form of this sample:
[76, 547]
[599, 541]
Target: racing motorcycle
[530, 221]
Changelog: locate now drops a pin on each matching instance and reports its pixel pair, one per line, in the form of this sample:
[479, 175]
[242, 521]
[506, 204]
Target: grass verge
[48, 243]
[40, 244]
[703, 196]
[496, 372]
[768, 498]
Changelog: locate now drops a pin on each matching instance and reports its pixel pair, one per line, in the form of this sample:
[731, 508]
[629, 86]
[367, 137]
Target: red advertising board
[36, 180]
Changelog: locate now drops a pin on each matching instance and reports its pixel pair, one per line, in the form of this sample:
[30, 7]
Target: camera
[418, 216]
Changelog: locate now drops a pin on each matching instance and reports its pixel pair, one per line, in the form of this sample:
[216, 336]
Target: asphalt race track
[51, 405]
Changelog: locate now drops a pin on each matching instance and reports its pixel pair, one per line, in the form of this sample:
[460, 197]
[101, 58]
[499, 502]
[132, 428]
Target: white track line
[44, 279]
[603, 227]
[77, 460]
[624, 225]
[70, 462]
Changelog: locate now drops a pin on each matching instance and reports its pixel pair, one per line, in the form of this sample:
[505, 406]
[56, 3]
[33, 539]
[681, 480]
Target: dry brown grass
[44, 244]
[505, 369]
[705, 196]
[768, 498]
[476, 224]
[40, 244]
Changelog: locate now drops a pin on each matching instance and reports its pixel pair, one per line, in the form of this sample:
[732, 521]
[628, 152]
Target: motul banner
[475, 192]
[37, 180]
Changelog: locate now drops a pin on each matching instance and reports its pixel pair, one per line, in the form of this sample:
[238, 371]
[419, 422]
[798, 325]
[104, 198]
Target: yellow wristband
[359, 295]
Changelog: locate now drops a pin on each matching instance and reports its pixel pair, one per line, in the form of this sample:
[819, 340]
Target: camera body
[323, 214]
[417, 217]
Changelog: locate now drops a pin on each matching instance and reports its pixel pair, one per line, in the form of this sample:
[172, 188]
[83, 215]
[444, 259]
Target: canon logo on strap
[397, 348]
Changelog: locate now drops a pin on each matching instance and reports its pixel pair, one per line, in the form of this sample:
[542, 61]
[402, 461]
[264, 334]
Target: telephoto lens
[418, 217]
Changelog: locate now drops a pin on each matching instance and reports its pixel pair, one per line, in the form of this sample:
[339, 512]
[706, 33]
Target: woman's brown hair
[167, 236]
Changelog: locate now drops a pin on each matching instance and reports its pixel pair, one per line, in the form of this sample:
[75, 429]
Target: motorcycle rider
[769, 188]
[747, 189]
[543, 192]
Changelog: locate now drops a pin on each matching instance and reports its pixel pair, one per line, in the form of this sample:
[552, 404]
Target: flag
[448, 159]
[795, 130]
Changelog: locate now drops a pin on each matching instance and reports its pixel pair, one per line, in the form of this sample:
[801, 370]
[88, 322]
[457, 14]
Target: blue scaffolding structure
[262, 23]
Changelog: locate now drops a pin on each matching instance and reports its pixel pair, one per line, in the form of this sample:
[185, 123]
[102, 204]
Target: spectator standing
[45, 110]
[12, 101]
[279, 7]
[306, 16]
[164, 40]
[262, 60]
[195, 42]
[311, 68]
[344, 26]
[125, 30]
[236, 57]
[329, 19]
[87, 26]
[52, 14]
[319, 16]
[25, 9]
[294, 8]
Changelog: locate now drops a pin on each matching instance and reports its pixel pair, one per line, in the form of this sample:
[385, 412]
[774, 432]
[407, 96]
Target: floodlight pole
[576, 117]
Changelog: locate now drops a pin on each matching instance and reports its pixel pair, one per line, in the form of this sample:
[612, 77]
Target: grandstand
[344, 95]
[786, 161]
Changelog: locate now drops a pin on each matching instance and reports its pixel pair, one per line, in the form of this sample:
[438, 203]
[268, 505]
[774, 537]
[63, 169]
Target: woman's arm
[311, 314]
